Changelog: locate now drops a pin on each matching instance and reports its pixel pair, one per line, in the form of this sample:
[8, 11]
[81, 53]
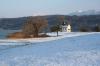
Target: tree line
[34, 26]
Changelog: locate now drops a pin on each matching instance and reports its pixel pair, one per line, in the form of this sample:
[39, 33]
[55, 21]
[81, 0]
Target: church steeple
[64, 23]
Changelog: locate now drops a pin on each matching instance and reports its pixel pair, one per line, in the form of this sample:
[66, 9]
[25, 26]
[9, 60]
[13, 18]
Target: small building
[65, 27]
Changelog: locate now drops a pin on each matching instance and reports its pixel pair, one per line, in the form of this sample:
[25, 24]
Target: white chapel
[65, 27]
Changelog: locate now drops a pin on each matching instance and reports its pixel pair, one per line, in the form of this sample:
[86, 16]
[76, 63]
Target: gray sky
[20, 8]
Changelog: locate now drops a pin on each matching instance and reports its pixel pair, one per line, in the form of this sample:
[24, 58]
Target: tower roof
[64, 23]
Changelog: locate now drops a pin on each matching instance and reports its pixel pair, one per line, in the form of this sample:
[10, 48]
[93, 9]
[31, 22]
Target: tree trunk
[57, 33]
[36, 34]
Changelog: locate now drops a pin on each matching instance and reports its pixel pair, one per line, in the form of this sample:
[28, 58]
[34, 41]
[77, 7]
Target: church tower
[64, 27]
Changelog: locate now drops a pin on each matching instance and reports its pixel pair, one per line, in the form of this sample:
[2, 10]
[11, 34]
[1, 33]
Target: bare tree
[34, 25]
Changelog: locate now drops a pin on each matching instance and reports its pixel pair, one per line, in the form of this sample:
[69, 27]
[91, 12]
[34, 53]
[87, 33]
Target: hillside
[82, 50]
[76, 21]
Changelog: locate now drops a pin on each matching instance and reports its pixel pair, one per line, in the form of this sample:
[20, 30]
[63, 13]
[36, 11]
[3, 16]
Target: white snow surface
[35, 40]
[69, 49]
[59, 59]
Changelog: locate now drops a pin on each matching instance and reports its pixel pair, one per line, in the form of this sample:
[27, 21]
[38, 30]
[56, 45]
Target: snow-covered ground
[36, 40]
[69, 49]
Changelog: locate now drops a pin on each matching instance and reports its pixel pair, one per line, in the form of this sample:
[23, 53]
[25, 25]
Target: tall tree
[34, 25]
[60, 21]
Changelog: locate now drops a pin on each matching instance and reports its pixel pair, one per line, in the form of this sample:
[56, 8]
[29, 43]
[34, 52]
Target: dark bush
[84, 29]
[44, 35]
[97, 28]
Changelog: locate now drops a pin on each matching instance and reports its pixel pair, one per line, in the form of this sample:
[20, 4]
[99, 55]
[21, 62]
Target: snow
[64, 59]
[69, 49]
[35, 40]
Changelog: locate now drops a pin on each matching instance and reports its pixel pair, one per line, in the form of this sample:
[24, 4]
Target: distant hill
[76, 21]
[88, 12]
[12, 23]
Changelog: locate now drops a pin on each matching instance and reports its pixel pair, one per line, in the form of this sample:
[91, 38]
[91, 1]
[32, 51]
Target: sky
[20, 8]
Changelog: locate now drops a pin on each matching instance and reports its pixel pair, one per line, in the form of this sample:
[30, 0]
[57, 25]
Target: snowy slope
[69, 51]
[36, 40]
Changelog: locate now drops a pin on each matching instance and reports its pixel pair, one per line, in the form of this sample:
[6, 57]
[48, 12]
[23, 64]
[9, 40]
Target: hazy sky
[20, 8]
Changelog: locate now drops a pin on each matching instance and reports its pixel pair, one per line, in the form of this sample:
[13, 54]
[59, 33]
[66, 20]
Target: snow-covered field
[36, 40]
[69, 49]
